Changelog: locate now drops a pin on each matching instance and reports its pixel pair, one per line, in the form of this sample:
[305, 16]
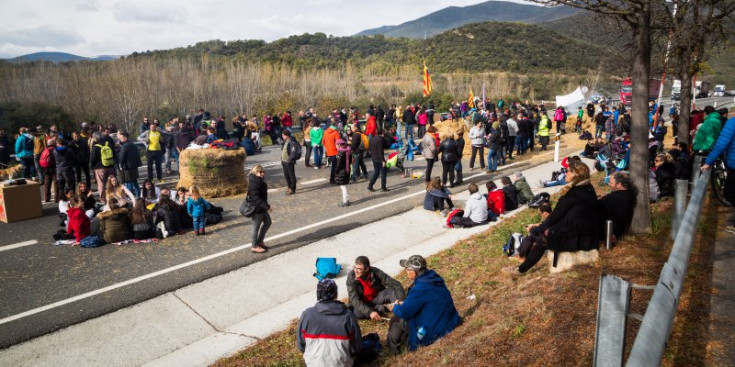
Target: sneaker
[263, 246]
[385, 190]
[343, 204]
[511, 271]
[371, 189]
[444, 213]
[316, 167]
[161, 181]
[257, 249]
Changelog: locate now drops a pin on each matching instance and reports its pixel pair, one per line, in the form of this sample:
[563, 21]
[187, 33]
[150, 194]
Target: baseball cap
[415, 262]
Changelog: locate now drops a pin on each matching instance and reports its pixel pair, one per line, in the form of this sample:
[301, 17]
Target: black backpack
[297, 149]
[28, 143]
[539, 199]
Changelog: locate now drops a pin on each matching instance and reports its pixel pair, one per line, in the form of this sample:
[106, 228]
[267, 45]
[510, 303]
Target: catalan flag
[471, 99]
[427, 82]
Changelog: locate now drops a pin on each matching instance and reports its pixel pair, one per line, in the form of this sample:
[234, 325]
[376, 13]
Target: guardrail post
[680, 200]
[613, 304]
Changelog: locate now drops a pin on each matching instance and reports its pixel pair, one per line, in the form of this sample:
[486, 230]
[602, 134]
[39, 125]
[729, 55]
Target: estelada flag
[427, 82]
[471, 99]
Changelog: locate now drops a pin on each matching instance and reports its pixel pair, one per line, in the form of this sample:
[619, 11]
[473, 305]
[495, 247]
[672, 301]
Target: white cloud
[94, 27]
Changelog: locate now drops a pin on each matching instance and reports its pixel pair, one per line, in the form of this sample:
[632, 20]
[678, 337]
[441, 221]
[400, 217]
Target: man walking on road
[377, 147]
[289, 155]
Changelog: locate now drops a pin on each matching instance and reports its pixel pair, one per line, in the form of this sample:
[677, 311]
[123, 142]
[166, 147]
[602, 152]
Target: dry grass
[538, 319]
[216, 172]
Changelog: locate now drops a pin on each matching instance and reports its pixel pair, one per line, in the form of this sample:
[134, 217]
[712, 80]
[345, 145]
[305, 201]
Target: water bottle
[421, 333]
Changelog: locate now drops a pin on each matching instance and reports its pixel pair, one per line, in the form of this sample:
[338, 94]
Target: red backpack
[47, 158]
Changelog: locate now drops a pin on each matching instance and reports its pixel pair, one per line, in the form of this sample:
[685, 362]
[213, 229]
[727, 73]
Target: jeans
[49, 176]
[318, 154]
[289, 171]
[492, 160]
[64, 180]
[133, 187]
[429, 167]
[358, 165]
[83, 167]
[555, 183]
[521, 144]
[172, 155]
[458, 169]
[154, 157]
[422, 131]
[37, 169]
[261, 223]
[409, 131]
[398, 127]
[491, 216]
[598, 130]
[475, 149]
[307, 154]
[199, 222]
[379, 170]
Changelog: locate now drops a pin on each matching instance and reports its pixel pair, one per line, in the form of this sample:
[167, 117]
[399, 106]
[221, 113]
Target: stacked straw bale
[217, 172]
[448, 127]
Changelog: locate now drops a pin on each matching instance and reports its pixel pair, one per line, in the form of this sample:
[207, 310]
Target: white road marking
[314, 181]
[17, 245]
[198, 261]
[272, 190]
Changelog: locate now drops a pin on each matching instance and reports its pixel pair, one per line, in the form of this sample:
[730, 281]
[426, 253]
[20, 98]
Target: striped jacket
[328, 335]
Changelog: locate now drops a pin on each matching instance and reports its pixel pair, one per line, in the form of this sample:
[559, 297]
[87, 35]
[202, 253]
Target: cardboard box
[20, 202]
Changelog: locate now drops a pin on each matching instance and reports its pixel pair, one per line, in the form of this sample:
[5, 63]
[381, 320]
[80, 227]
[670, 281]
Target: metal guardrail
[614, 297]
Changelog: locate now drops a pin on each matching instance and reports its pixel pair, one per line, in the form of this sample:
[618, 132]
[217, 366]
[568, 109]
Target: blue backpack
[327, 267]
[514, 241]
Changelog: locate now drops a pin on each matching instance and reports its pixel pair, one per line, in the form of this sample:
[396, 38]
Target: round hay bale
[448, 127]
[216, 172]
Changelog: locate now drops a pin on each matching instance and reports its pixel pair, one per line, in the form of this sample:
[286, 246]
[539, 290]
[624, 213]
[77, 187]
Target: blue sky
[119, 27]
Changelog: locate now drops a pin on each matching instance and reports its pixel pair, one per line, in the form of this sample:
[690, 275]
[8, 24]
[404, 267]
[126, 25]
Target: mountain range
[57, 57]
[454, 16]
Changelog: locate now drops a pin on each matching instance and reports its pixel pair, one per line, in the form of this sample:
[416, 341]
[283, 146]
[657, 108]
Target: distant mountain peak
[57, 57]
[455, 16]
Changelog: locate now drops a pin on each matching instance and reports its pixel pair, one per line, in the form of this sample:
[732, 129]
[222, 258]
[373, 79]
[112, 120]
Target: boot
[201, 232]
[459, 178]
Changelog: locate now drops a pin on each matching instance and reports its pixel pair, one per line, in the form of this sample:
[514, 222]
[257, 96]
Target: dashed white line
[314, 181]
[17, 245]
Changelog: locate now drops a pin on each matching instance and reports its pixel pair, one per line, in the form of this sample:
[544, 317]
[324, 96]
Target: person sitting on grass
[369, 289]
[575, 222]
[524, 189]
[511, 194]
[532, 247]
[328, 333]
[436, 195]
[427, 313]
[619, 204]
[475, 210]
[495, 201]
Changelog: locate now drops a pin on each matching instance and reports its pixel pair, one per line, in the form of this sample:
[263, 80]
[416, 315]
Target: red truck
[626, 90]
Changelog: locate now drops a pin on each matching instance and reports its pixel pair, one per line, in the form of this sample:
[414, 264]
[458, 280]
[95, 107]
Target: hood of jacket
[330, 307]
[62, 149]
[477, 196]
[428, 279]
[114, 214]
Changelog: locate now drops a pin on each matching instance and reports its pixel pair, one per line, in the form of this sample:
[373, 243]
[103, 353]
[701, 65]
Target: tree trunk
[639, 116]
[685, 105]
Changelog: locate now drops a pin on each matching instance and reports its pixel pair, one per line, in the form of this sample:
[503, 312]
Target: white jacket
[476, 208]
[476, 134]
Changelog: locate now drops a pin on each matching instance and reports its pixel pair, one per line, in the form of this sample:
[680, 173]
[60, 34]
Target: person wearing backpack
[559, 119]
[290, 153]
[65, 161]
[102, 161]
[48, 169]
[358, 146]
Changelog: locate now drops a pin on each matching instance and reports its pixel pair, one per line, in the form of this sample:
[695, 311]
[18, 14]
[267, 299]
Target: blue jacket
[429, 305]
[196, 208]
[725, 144]
[20, 146]
[431, 195]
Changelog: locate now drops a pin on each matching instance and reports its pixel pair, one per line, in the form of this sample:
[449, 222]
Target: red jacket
[496, 201]
[78, 223]
[371, 128]
[286, 120]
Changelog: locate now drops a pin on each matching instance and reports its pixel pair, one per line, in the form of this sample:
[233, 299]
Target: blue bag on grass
[327, 267]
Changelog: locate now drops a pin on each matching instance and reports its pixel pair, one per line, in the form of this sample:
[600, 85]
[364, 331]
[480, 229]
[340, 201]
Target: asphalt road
[44, 287]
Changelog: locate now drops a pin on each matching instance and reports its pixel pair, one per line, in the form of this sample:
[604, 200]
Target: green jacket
[524, 190]
[316, 135]
[708, 132]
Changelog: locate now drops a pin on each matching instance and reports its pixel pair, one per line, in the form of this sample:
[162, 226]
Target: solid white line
[314, 181]
[197, 261]
[272, 190]
[17, 245]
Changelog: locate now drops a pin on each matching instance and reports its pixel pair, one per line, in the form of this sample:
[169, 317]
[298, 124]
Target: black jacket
[64, 158]
[618, 206]
[408, 117]
[95, 155]
[574, 224]
[511, 197]
[523, 128]
[379, 281]
[5, 149]
[342, 170]
[129, 157]
[377, 147]
[168, 213]
[183, 138]
[449, 150]
[665, 179]
[258, 193]
[81, 150]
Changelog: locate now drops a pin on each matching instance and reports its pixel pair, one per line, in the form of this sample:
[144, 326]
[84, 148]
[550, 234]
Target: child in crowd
[495, 201]
[142, 221]
[196, 206]
[150, 192]
[436, 195]
[64, 205]
[78, 220]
